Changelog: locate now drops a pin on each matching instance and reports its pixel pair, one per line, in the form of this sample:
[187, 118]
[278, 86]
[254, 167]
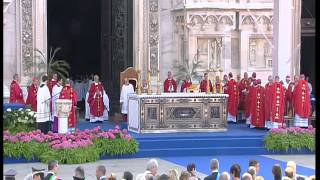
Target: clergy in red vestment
[96, 100]
[52, 82]
[32, 94]
[254, 76]
[302, 103]
[233, 100]
[225, 83]
[268, 101]
[288, 97]
[257, 106]
[68, 92]
[16, 95]
[277, 103]
[170, 84]
[204, 84]
[249, 94]
[186, 84]
[219, 86]
[243, 91]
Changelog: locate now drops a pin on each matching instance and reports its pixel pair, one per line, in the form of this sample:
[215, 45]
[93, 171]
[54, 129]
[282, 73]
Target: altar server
[16, 95]
[170, 84]
[98, 101]
[43, 106]
[126, 89]
[68, 92]
[32, 94]
[56, 90]
[204, 84]
[233, 100]
[301, 103]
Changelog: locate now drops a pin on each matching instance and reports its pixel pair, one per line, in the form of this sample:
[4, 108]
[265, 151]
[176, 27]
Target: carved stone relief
[260, 53]
[154, 35]
[26, 37]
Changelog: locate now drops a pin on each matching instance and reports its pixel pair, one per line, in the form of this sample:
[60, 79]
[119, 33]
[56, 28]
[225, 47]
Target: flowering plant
[67, 148]
[20, 119]
[290, 138]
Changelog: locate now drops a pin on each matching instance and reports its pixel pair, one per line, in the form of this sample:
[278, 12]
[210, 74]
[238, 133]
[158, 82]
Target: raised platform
[237, 140]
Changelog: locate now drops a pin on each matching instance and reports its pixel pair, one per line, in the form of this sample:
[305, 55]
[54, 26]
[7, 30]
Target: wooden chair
[132, 76]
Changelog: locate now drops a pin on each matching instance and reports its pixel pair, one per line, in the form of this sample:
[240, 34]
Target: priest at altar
[98, 101]
[68, 92]
[32, 94]
[186, 84]
[16, 95]
[169, 84]
[53, 81]
[204, 84]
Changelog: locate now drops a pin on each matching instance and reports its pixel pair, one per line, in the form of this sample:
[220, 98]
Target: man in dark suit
[214, 167]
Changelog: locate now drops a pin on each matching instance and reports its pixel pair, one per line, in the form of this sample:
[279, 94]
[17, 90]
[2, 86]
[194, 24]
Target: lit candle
[208, 56]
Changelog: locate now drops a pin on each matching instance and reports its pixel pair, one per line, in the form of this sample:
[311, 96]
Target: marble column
[284, 35]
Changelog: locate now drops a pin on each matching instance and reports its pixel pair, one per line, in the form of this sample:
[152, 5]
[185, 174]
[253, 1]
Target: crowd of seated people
[236, 172]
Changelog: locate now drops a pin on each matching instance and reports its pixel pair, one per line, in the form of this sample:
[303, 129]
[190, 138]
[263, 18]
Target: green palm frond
[61, 67]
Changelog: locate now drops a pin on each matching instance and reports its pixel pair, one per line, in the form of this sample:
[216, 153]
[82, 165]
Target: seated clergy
[170, 84]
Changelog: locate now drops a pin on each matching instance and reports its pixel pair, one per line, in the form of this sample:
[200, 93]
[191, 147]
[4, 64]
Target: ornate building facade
[187, 37]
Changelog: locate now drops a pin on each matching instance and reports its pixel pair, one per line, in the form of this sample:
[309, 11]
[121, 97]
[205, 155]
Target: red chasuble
[16, 95]
[185, 85]
[248, 101]
[257, 106]
[32, 97]
[95, 99]
[243, 85]
[277, 101]
[267, 101]
[233, 100]
[301, 99]
[167, 83]
[68, 92]
[288, 98]
[203, 86]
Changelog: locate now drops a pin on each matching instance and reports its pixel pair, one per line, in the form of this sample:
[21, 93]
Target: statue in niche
[216, 53]
[267, 55]
[252, 51]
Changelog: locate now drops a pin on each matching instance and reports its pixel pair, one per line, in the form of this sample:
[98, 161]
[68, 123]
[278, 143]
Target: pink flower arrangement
[294, 130]
[79, 139]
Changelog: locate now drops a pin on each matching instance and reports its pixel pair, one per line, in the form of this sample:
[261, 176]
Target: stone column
[284, 35]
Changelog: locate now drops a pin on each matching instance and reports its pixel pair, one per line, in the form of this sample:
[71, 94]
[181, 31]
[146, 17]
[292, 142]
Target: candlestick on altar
[149, 83]
[220, 77]
[139, 82]
[208, 56]
[158, 56]
[208, 83]
[149, 64]
[214, 81]
[158, 83]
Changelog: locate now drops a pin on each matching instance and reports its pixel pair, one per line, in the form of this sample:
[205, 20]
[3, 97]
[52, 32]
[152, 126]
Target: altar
[177, 112]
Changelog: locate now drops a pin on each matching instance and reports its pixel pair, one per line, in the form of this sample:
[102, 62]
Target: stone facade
[183, 36]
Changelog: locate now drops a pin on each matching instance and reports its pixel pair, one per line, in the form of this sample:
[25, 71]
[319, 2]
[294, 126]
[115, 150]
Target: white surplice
[125, 90]
[56, 90]
[43, 103]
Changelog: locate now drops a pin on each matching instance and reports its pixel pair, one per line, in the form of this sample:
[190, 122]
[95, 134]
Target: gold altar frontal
[177, 112]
